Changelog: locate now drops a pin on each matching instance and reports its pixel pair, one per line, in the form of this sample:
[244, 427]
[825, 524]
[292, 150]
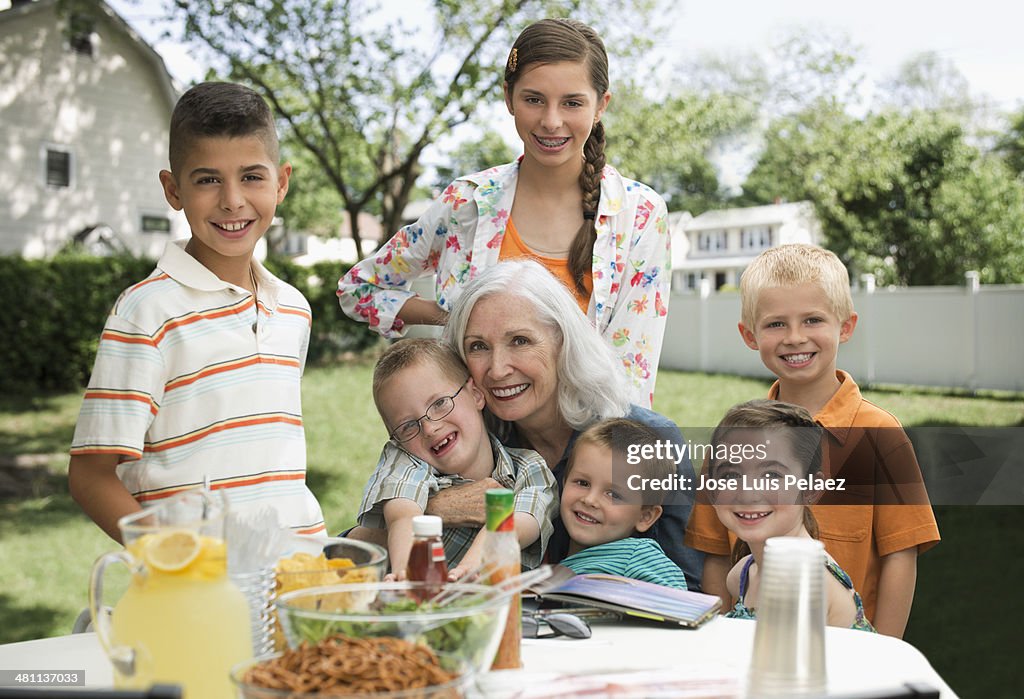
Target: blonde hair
[792, 265]
[413, 352]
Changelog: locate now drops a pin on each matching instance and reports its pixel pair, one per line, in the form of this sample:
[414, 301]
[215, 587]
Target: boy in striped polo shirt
[198, 371]
[607, 505]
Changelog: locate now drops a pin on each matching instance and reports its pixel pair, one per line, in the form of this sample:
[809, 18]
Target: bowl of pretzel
[388, 639]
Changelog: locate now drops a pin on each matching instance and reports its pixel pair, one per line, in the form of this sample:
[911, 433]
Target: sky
[981, 37]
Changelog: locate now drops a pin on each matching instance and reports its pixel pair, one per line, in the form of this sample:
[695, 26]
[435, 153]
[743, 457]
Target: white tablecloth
[857, 661]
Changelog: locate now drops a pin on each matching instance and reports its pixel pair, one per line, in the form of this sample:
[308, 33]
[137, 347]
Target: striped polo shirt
[194, 380]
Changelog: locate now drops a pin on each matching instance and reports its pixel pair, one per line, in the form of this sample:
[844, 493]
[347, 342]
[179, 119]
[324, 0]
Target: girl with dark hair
[764, 472]
[604, 236]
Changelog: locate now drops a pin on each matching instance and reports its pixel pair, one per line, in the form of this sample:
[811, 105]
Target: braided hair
[554, 41]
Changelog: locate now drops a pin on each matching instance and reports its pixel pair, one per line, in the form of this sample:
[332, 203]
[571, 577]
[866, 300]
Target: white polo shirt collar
[191, 273]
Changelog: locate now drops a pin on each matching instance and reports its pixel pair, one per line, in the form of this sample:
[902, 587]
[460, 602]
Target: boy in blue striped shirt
[606, 509]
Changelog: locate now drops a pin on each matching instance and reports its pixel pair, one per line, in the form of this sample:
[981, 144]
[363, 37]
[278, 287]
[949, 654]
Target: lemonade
[186, 621]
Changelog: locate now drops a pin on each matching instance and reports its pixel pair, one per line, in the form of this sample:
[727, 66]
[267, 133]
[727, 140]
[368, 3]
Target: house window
[58, 167]
[296, 244]
[81, 30]
[156, 224]
[710, 241]
[757, 238]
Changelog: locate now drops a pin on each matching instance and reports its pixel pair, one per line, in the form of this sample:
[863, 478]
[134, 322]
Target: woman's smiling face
[512, 356]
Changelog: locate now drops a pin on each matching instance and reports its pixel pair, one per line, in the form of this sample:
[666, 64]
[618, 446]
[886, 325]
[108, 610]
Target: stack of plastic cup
[258, 588]
[789, 641]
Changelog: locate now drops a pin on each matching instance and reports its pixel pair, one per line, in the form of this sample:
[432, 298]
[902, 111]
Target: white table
[857, 661]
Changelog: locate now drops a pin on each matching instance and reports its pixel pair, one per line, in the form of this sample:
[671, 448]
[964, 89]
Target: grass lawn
[962, 617]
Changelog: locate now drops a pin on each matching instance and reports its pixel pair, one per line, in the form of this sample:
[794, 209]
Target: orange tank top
[513, 248]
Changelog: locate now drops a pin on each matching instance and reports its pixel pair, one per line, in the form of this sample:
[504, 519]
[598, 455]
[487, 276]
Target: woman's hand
[462, 505]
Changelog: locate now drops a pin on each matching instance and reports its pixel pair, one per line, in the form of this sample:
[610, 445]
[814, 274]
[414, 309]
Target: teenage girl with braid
[601, 234]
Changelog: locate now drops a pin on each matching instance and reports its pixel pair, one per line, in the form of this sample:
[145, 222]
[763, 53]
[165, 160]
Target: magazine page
[634, 597]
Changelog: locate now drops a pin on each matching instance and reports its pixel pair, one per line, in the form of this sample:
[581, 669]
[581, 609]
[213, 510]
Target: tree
[803, 68]
[901, 195]
[928, 82]
[363, 90]
[475, 155]
[1011, 145]
[313, 205]
[666, 143]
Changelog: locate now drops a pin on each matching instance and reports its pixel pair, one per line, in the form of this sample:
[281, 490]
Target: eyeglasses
[560, 624]
[437, 410]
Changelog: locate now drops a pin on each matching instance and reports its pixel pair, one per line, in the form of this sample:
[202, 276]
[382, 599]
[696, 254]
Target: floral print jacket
[460, 234]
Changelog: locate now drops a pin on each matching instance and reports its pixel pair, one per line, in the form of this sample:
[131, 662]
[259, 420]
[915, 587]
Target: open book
[633, 597]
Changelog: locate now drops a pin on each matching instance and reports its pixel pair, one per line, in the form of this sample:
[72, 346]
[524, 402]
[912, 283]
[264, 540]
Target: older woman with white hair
[546, 375]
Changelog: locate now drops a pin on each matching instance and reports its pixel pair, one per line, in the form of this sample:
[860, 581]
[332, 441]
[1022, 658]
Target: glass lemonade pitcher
[181, 620]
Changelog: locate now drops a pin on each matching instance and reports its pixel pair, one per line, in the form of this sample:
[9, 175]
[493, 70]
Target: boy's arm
[896, 581]
[471, 559]
[398, 475]
[398, 514]
[527, 528]
[536, 500]
[93, 482]
[527, 531]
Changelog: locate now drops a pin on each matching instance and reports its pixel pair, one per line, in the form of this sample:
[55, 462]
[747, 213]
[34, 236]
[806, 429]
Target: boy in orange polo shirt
[796, 311]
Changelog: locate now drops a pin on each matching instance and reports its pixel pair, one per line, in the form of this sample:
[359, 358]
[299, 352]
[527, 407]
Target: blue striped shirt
[632, 557]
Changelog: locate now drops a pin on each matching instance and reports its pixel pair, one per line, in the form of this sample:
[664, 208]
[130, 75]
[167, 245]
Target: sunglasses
[559, 624]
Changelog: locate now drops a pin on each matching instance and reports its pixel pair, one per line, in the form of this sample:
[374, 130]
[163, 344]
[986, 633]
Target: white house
[308, 249]
[718, 245]
[85, 105]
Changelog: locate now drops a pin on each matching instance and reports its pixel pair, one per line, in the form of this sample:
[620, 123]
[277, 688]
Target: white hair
[591, 386]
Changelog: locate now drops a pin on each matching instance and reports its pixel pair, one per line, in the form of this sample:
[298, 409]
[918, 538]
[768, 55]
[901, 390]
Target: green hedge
[57, 307]
[334, 333]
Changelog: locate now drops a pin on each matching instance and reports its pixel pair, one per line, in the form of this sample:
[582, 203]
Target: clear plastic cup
[789, 642]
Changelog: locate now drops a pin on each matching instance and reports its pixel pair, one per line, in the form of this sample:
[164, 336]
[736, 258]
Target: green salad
[455, 641]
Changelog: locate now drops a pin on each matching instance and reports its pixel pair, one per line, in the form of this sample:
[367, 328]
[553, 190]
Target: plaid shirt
[399, 474]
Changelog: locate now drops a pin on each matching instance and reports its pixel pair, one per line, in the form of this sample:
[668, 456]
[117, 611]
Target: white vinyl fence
[969, 337]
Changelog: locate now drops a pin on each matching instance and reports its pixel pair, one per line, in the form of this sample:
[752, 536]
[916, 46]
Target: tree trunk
[353, 210]
[398, 198]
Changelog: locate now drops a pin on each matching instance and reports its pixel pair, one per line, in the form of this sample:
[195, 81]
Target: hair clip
[513, 60]
[589, 215]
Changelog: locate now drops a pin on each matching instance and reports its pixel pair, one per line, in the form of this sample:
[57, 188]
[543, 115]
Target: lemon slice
[172, 551]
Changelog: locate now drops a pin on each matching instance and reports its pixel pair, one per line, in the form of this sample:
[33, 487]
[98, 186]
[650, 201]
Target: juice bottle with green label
[501, 552]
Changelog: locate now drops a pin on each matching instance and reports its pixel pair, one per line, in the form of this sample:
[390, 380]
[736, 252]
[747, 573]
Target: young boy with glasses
[432, 410]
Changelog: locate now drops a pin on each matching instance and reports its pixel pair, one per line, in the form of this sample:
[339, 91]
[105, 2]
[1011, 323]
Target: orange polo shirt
[513, 248]
[856, 536]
